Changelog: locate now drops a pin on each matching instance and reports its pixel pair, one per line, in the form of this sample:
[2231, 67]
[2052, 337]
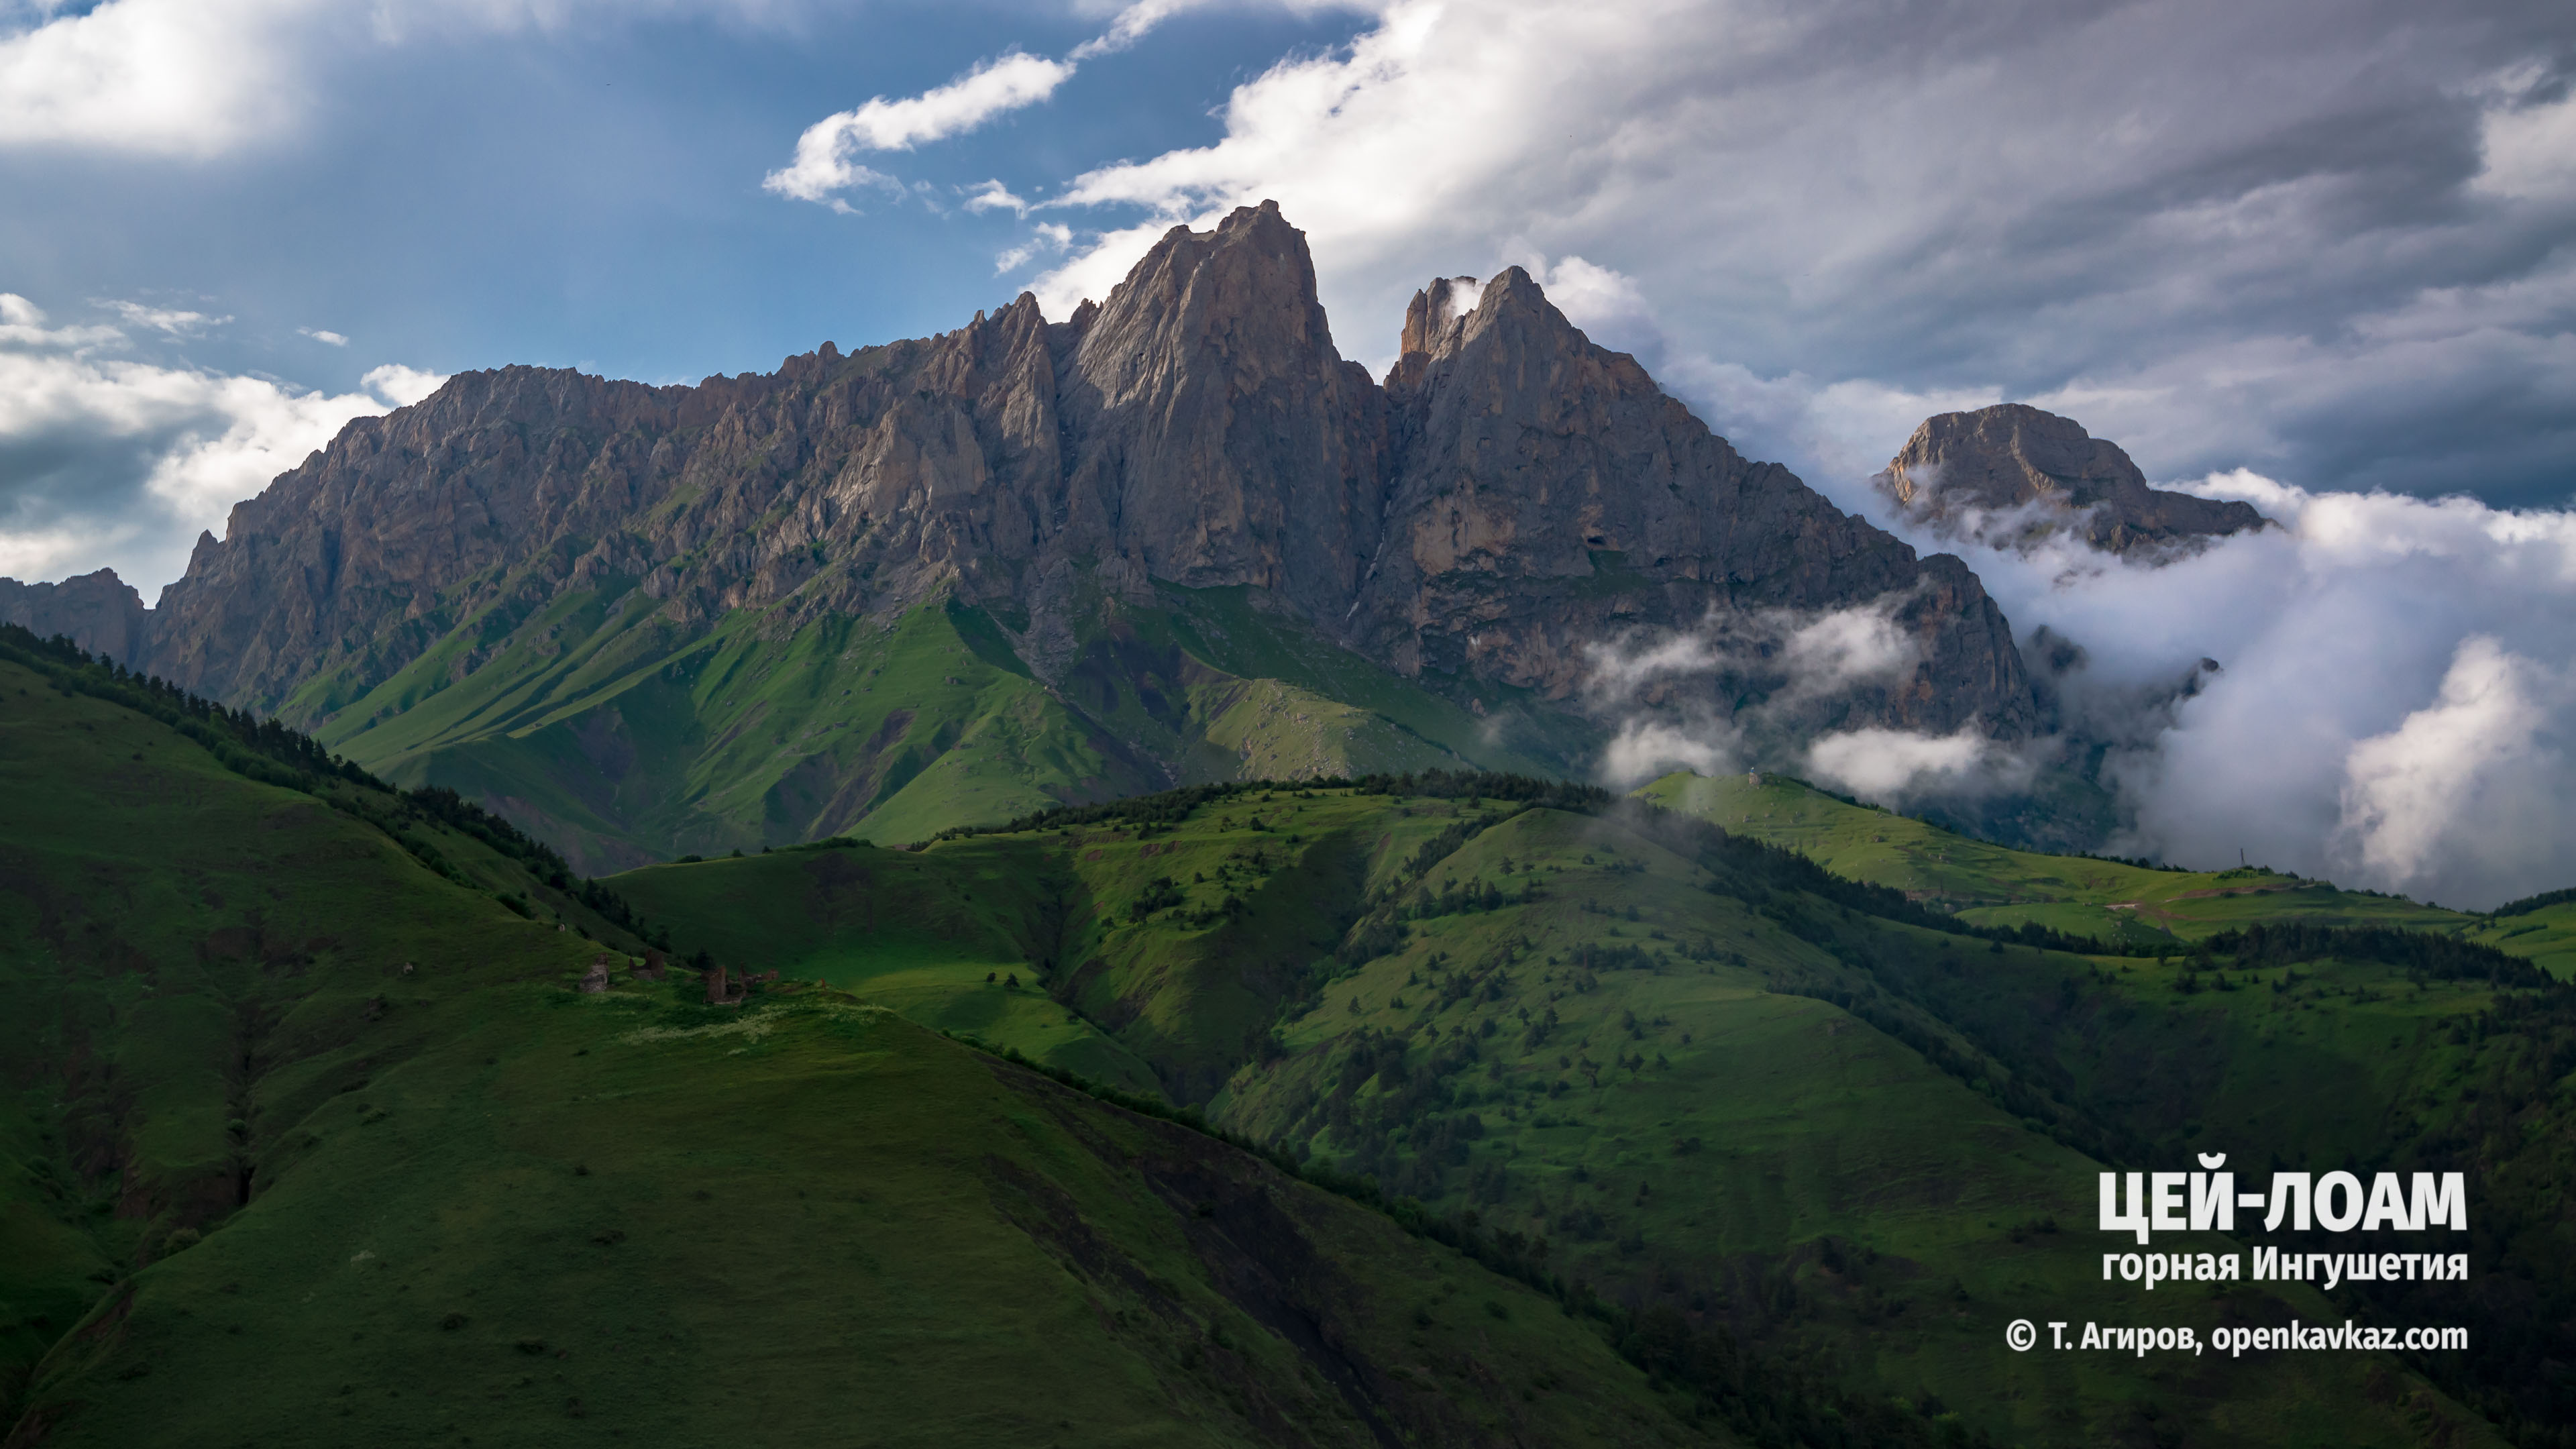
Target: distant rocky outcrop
[2010, 474]
[99, 612]
[1547, 496]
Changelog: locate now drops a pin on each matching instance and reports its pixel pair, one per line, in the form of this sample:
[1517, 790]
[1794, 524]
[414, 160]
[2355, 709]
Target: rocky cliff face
[99, 612]
[1510, 497]
[2010, 475]
[1548, 497]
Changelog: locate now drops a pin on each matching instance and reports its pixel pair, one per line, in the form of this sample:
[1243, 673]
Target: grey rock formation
[99, 612]
[1549, 496]
[1509, 497]
[2010, 474]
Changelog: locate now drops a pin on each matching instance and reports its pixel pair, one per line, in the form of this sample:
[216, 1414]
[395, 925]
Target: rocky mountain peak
[2010, 475]
[1512, 501]
[1433, 324]
[98, 611]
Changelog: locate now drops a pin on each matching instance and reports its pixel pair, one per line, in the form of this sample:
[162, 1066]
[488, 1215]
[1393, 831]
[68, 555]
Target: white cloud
[198, 78]
[1131, 25]
[996, 87]
[2376, 652]
[2470, 778]
[402, 386]
[1010, 82]
[117, 462]
[2529, 146]
[1645, 748]
[1889, 767]
[168, 320]
[324, 336]
[1847, 646]
[1046, 237]
[994, 196]
[190, 77]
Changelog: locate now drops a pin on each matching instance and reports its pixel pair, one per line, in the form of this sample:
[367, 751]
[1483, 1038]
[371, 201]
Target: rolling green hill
[1991, 885]
[312, 1139]
[2546, 933]
[1701, 1079]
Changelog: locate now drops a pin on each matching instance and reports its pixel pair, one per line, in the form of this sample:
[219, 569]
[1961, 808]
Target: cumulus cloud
[2235, 235]
[324, 336]
[108, 460]
[2474, 777]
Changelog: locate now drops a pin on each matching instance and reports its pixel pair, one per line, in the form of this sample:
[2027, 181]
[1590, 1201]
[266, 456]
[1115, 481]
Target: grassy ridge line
[2529, 904]
[2140, 908]
[270, 752]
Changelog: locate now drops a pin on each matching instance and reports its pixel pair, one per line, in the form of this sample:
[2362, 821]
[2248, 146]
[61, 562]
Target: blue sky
[589, 193]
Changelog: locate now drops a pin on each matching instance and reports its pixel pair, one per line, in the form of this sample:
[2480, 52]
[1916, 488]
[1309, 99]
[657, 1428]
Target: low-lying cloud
[1896, 767]
[2378, 692]
[2388, 711]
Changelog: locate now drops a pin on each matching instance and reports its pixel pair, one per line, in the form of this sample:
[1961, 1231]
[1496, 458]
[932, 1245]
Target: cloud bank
[2393, 702]
[106, 460]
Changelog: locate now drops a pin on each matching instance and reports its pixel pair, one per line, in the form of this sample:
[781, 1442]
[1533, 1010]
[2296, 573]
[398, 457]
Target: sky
[2318, 255]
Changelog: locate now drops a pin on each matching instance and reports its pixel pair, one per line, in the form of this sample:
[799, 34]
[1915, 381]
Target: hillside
[313, 1140]
[2149, 908]
[1710, 1084]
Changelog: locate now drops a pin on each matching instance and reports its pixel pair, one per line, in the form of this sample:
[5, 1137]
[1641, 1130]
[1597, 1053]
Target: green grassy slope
[1991, 885]
[927, 935]
[594, 719]
[1680, 1070]
[2546, 935]
[314, 1143]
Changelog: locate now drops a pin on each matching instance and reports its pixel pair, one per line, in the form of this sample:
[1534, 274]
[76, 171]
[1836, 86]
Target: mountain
[1176, 537]
[2010, 474]
[99, 612]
